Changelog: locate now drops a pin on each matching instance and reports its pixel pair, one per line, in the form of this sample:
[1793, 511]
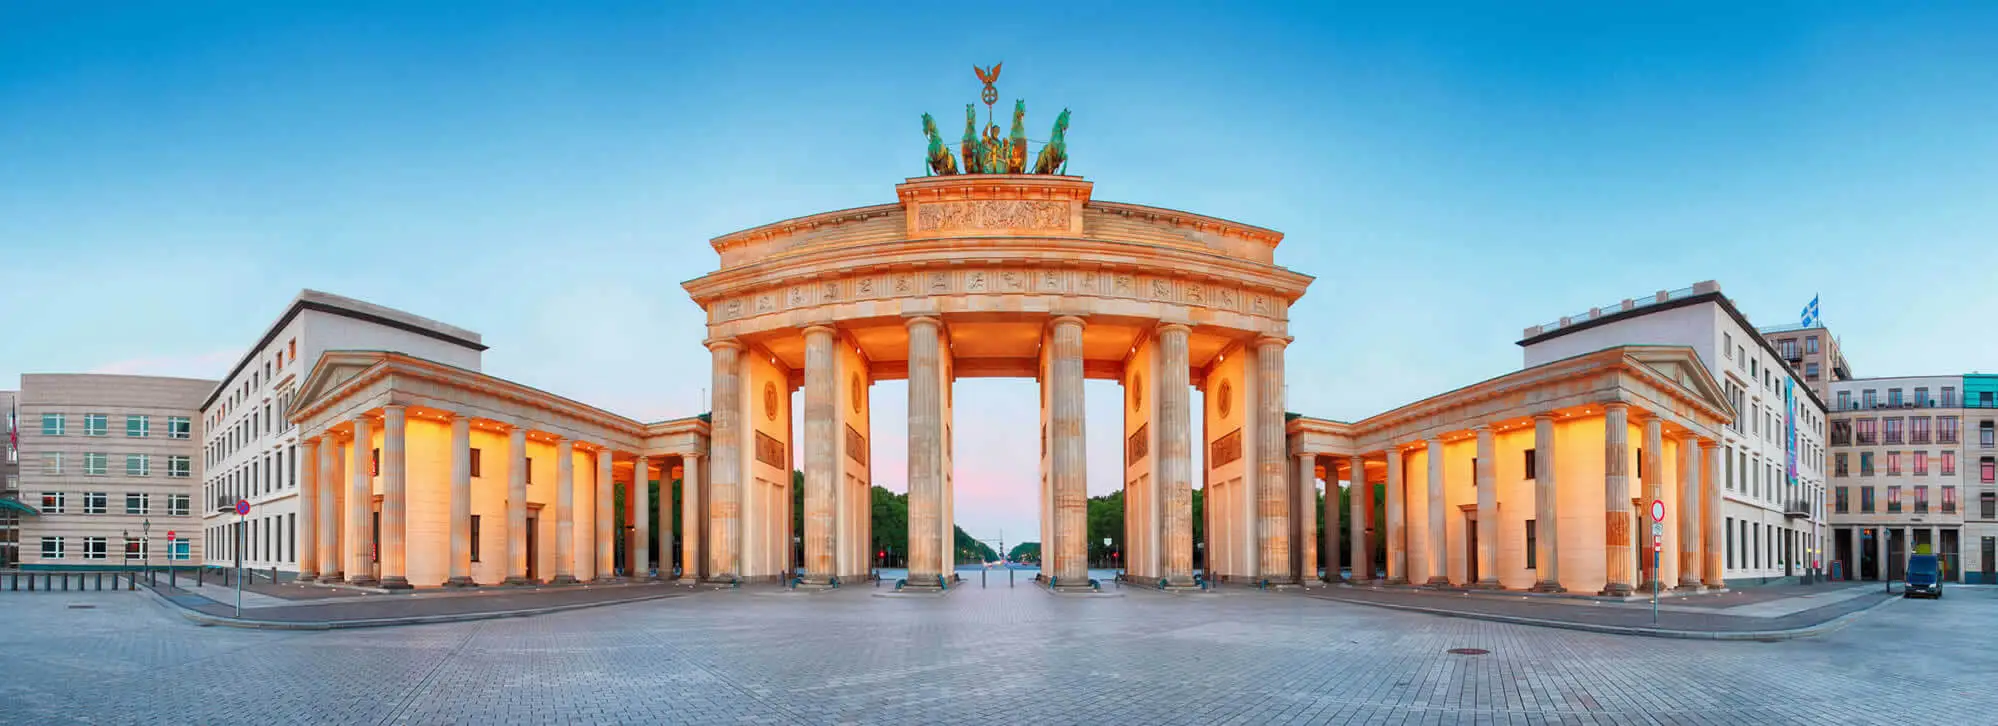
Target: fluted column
[1272, 505]
[1649, 560]
[1359, 506]
[606, 520]
[690, 518]
[395, 500]
[821, 465]
[1325, 542]
[1618, 558]
[1069, 476]
[1710, 508]
[1305, 493]
[565, 512]
[1397, 525]
[1175, 462]
[926, 560]
[640, 500]
[360, 505]
[1546, 505]
[308, 510]
[725, 499]
[1689, 512]
[1439, 571]
[329, 508]
[516, 506]
[1486, 484]
[461, 503]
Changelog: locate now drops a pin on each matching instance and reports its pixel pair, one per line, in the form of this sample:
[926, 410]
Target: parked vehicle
[1924, 577]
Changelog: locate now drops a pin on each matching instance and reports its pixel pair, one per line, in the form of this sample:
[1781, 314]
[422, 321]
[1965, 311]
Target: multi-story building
[1897, 484]
[1980, 460]
[1812, 350]
[11, 506]
[1773, 452]
[251, 452]
[110, 465]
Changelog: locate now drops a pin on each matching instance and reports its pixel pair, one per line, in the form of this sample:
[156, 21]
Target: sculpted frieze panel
[1022, 279]
[992, 214]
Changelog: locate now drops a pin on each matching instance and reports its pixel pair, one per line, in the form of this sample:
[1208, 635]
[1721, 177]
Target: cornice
[1199, 222]
[794, 225]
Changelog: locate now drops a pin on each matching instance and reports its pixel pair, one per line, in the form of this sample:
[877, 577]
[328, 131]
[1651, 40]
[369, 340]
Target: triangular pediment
[1682, 366]
[334, 369]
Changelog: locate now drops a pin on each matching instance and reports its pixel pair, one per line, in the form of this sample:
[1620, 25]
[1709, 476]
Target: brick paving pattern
[1019, 655]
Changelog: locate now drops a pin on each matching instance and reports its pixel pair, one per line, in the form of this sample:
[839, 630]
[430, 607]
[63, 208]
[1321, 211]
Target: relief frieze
[995, 280]
[769, 450]
[1226, 449]
[992, 214]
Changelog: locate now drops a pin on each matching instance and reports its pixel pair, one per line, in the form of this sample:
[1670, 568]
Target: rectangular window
[53, 502]
[1947, 463]
[1946, 429]
[180, 467]
[1921, 463]
[1841, 433]
[135, 549]
[291, 540]
[96, 502]
[138, 427]
[475, 541]
[51, 548]
[138, 465]
[96, 548]
[1811, 344]
[1866, 463]
[1949, 500]
[1866, 500]
[1921, 500]
[1918, 430]
[1922, 397]
[52, 424]
[375, 462]
[96, 424]
[1987, 505]
[1985, 434]
[179, 427]
[1894, 397]
[96, 463]
[137, 503]
[475, 463]
[1840, 500]
[1727, 345]
[1893, 463]
[1811, 371]
[1729, 529]
[1893, 498]
[1867, 429]
[1844, 400]
[52, 462]
[1869, 399]
[1949, 397]
[1838, 464]
[1987, 470]
[1893, 427]
[177, 505]
[527, 470]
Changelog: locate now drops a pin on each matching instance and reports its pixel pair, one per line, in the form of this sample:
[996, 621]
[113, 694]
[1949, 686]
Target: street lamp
[125, 540]
[146, 541]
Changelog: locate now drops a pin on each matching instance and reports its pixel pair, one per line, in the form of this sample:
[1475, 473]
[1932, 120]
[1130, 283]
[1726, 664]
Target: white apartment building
[1774, 452]
[251, 453]
[1898, 480]
[111, 463]
[11, 506]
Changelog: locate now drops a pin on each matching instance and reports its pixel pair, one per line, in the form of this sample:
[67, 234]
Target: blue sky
[171, 174]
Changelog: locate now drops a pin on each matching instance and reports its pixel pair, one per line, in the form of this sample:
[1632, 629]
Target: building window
[475, 462]
[375, 462]
[1811, 344]
[1840, 502]
[1985, 433]
[1987, 505]
[1893, 430]
[1867, 431]
[177, 505]
[52, 462]
[1868, 399]
[136, 502]
[1893, 463]
[96, 463]
[96, 548]
[1921, 463]
[52, 502]
[1866, 463]
[52, 424]
[179, 427]
[475, 539]
[1811, 371]
[138, 427]
[1946, 429]
[180, 467]
[1949, 397]
[1894, 397]
[1532, 542]
[1727, 345]
[96, 424]
[1947, 463]
[1921, 500]
[1987, 470]
[1755, 543]
[96, 502]
[138, 465]
[1918, 430]
[527, 470]
[1866, 500]
[52, 547]
[1729, 529]
[1844, 400]
[1838, 464]
[135, 548]
[1893, 498]
[1841, 433]
[1922, 397]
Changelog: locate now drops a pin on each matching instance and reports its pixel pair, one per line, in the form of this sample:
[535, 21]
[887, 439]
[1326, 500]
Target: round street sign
[243, 507]
[1657, 510]
[169, 535]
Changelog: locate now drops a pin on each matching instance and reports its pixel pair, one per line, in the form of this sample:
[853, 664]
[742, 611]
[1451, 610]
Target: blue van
[1924, 577]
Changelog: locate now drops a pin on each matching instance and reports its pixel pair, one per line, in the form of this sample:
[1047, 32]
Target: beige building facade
[1898, 479]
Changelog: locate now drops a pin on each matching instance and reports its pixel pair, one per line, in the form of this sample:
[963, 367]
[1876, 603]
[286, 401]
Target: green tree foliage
[1106, 521]
[891, 526]
[971, 550]
[1025, 552]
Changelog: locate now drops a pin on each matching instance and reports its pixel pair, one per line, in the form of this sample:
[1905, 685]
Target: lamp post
[146, 542]
[125, 537]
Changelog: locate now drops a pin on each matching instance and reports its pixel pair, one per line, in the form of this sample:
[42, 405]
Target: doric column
[360, 504]
[821, 466]
[1711, 575]
[1397, 524]
[1069, 476]
[690, 518]
[1486, 483]
[1359, 502]
[395, 500]
[1618, 557]
[725, 501]
[1546, 507]
[308, 507]
[640, 500]
[565, 512]
[606, 519]
[516, 506]
[330, 518]
[1439, 572]
[1272, 505]
[1654, 490]
[926, 561]
[1305, 494]
[461, 503]
[1175, 474]
[1328, 550]
[1689, 512]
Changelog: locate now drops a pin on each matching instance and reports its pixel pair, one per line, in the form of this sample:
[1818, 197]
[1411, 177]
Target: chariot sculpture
[988, 152]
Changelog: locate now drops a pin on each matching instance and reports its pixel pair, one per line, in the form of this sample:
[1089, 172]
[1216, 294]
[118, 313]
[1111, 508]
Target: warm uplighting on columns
[1546, 501]
[461, 503]
[1068, 475]
[1359, 504]
[1648, 561]
[1439, 574]
[308, 506]
[516, 506]
[1486, 484]
[1688, 512]
[725, 495]
[1272, 504]
[926, 556]
[1619, 559]
[565, 512]
[606, 517]
[639, 500]
[821, 464]
[395, 499]
[1710, 511]
[330, 516]
[1397, 524]
[1175, 476]
[691, 493]
[360, 499]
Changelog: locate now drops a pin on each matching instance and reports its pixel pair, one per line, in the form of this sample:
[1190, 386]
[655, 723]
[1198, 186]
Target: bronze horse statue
[1054, 155]
[973, 150]
[1016, 142]
[941, 162]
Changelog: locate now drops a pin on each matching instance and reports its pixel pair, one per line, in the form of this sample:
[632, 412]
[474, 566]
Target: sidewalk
[1773, 613]
[302, 609]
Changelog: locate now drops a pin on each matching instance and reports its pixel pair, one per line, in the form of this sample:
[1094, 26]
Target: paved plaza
[999, 655]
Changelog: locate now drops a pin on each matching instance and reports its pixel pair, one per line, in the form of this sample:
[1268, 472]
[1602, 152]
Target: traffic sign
[1657, 545]
[242, 507]
[1657, 528]
[1657, 510]
[169, 535]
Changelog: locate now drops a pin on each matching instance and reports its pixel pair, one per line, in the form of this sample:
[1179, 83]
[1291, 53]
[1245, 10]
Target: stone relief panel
[1021, 279]
[1138, 446]
[856, 445]
[992, 214]
[770, 451]
[1226, 449]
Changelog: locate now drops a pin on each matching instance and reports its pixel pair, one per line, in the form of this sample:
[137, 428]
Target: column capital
[1276, 341]
[695, 457]
[1707, 444]
[825, 328]
[396, 407]
[721, 343]
[1616, 406]
[914, 320]
[1543, 416]
[1433, 442]
[1177, 327]
[1064, 319]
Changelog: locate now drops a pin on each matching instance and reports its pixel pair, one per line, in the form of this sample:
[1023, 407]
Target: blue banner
[1790, 428]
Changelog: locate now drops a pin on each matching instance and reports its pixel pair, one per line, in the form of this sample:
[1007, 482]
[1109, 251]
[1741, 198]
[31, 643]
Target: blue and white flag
[1811, 313]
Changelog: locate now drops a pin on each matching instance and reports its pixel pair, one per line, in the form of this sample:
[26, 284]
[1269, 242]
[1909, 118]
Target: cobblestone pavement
[1019, 655]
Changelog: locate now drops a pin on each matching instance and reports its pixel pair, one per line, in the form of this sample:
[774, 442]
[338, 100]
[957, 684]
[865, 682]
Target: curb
[202, 618]
[1758, 635]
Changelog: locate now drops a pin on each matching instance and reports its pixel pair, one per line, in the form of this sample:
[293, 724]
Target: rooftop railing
[1625, 305]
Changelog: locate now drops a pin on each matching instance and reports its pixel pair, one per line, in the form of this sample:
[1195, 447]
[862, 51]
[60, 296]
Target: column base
[304, 576]
[1437, 582]
[332, 578]
[1487, 585]
[359, 581]
[395, 583]
[1547, 587]
[1722, 586]
[1397, 581]
[563, 580]
[606, 580]
[515, 580]
[1615, 590]
[1359, 581]
[460, 582]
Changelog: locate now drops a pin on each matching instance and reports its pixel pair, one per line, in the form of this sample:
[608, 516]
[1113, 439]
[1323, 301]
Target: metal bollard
[100, 581]
[131, 582]
[981, 578]
[65, 582]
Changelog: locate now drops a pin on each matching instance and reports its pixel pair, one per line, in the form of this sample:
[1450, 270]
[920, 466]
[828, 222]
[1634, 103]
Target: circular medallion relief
[859, 392]
[1137, 391]
[1226, 398]
[770, 401]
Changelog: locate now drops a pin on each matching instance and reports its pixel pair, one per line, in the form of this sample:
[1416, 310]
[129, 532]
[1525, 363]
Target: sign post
[242, 511]
[1657, 549]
